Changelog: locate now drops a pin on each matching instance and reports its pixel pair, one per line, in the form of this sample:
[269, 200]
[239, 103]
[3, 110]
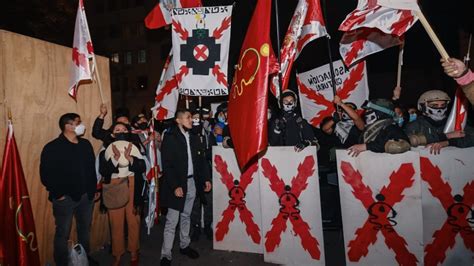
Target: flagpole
[331, 64]
[400, 64]
[277, 26]
[432, 35]
[97, 76]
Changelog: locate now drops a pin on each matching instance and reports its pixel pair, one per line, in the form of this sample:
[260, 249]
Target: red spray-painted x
[457, 208]
[237, 201]
[288, 200]
[381, 213]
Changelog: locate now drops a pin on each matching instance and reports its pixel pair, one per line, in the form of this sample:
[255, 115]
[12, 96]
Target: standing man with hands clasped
[185, 173]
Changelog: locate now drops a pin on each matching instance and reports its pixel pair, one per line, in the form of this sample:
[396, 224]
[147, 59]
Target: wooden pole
[187, 102]
[400, 64]
[97, 76]
[432, 35]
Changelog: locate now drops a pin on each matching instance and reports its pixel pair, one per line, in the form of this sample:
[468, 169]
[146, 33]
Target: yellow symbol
[30, 237]
[265, 50]
[239, 89]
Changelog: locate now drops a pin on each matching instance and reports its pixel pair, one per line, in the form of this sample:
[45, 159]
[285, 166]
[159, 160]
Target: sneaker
[196, 232]
[165, 262]
[208, 232]
[191, 253]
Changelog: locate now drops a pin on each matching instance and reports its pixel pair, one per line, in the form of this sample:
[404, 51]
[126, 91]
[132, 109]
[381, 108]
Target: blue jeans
[63, 211]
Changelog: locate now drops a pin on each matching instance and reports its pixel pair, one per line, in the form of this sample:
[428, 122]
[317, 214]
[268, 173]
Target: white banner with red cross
[316, 93]
[381, 208]
[291, 208]
[448, 206]
[201, 38]
[236, 204]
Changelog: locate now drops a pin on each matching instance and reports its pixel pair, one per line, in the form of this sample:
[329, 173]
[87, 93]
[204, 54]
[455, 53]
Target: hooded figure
[289, 128]
[381, 133]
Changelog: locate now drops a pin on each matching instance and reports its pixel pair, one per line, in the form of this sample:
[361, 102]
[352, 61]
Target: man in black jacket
[67, 171]
[185, 172]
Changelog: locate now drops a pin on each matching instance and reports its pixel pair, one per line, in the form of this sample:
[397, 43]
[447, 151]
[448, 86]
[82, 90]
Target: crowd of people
[75, 177]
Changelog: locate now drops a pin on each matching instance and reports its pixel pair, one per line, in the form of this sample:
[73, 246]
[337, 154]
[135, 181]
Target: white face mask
[370, 118]
[196, 121]
[289, 107]
[80, 130]
[437, 114]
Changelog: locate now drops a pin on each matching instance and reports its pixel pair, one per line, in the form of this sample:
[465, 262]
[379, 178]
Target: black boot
[196, 232]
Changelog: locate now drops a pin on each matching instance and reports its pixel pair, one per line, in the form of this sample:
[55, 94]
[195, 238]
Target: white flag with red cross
[448, 206]
[82, 52]
[316, 93]
[306, 25]
[457, 119]
[291, 208]
[374, 26]
[167, 95]
[160, 15]
[201, 40]
[236, 204]
[381, 208]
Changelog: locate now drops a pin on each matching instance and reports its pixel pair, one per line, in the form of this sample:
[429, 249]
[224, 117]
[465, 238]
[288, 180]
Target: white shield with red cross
[381, 208]
[236, 204]
[316, 93]
[448, 206]
[291, 209]
[201, 41]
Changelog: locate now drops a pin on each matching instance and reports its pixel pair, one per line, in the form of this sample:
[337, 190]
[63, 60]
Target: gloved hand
[300, 146]
[279, 126]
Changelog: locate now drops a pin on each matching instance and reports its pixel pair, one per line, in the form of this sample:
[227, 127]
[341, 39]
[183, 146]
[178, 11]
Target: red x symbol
[288, 200]
[381, 213]
[200, 52]
[457, 208]
[237, 201]
[348, 87]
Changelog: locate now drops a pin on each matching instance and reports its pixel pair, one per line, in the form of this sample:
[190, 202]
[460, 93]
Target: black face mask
[143, 126]
[122, 136]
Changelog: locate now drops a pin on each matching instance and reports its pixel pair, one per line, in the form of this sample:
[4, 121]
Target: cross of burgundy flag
[166, 99]
[160, 15]
[18, 239]
[306, 25]
[457, 119]
[247, 112]
[375, 25]
[82, 52]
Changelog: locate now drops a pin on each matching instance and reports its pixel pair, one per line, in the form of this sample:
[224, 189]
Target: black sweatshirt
[68, 168]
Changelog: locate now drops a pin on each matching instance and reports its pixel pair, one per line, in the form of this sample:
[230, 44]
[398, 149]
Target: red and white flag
[374, 26]
[166, 99]
[458, 117]
[160, 15]
[306, 25]
[82, 52]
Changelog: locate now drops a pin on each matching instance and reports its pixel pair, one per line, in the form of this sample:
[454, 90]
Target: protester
[67, 170]
[381, 133]
[328, 142]
[456, 69]
[183, 167]
[412, 113]
[203, 201]
[290, 129]
[349, 125]
[220, 125]
[400, 116]
[428, 128]
[119, 166]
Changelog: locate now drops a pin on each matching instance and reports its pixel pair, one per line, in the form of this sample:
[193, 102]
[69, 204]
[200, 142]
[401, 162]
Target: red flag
[160, 15]
[82, 52]
[375, 25]
[17, 226]
[306, 25]
[247, 113]
[458, 117]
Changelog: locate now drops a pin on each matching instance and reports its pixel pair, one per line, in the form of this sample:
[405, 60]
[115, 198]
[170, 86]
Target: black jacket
[390, 132]
[293, 130]
[105, 135]
[107, 168]
[68, 168]
[175, 167]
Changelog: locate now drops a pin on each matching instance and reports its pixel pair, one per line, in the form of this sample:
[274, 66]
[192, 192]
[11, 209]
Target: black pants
[197, 210]
[63, 211]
